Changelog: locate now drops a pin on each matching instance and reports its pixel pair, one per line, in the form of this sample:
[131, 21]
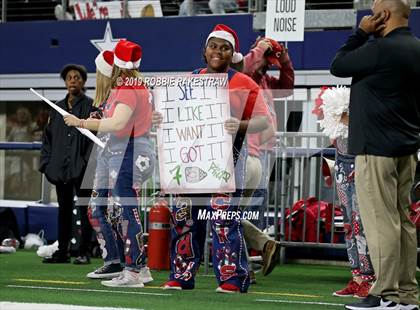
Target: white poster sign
[194, 150]
[285, 20]
[115, 9]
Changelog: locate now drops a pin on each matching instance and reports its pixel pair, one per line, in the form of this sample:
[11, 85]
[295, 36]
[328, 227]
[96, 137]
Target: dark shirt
[385, 92]
[65, 151]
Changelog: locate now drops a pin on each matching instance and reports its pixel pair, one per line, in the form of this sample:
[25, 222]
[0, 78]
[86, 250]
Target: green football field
[24, 278]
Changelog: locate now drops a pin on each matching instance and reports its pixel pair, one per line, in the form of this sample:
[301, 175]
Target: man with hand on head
[264, 54]
[384, 129]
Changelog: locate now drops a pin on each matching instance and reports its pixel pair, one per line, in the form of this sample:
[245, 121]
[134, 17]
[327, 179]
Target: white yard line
[85, 290]
[300, 302]
[4, 305]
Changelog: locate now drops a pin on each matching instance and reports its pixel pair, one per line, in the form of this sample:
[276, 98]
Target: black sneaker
[373, 302]
[82, 260]
[106, 272]
[57, 258]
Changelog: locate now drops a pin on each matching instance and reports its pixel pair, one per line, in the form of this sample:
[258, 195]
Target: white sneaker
[145, 276]
[126, 279]
[408, 307]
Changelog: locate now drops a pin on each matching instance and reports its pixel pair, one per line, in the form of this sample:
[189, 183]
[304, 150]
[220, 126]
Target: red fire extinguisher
[159, 235]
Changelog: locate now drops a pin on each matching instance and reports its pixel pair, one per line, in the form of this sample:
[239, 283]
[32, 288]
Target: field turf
[24, 278]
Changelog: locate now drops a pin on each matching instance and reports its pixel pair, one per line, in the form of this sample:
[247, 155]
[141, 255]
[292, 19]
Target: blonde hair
[103, 87]
[119, 72]
[148, 11]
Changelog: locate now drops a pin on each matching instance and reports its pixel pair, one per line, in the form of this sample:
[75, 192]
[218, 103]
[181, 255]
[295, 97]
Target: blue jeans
[188, 236]
[357, 248]
[122, 167]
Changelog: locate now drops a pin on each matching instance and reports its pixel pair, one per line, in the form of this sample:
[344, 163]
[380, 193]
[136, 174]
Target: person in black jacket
[64, 156]
[384, 135]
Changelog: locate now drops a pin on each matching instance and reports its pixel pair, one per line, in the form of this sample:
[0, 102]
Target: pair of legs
[113, 209]
[256, 182]
[65, 195]
[228, 247]
[357, 247]
[188, 238]
[383, 186]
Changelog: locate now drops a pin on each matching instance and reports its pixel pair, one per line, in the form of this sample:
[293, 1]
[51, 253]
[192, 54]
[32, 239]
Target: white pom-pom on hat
[237, 57]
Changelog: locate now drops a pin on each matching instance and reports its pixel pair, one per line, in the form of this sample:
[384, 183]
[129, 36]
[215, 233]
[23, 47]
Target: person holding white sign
[247, 114]
[129, 156]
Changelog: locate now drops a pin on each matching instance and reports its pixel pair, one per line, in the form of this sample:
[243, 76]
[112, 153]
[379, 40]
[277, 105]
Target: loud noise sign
[285, 20]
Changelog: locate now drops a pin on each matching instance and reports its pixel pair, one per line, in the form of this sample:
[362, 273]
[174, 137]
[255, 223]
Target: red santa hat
[127, 55]
[104, 62]
[226, 33]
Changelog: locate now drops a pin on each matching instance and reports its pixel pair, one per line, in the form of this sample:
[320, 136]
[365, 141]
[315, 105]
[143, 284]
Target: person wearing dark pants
[384, 135]
[64, 155]
[86, 230]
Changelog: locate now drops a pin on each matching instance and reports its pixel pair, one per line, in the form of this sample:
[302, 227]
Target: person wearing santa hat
[97, 215]
[247, 114]
[124, 164]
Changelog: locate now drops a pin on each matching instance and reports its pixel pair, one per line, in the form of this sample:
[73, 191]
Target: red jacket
[279, 87]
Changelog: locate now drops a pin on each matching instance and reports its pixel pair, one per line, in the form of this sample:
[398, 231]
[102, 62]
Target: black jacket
[65, 151]
[385, 92]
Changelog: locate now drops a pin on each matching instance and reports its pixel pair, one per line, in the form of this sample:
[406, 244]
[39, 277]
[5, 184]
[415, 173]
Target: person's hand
[157, 118]
[72, 120]
[232, 125]
[265, 44]
[372, 23]
[284, 54]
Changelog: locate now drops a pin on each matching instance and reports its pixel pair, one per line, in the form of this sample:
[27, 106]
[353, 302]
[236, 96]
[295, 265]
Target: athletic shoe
[126, 279]
[349, 291]
[408, 307]
[363, 290]
[172, 285]
[373, 302]
[145, 276]
[82, 260]
[109, 271]
[228, 288]
[270, 256]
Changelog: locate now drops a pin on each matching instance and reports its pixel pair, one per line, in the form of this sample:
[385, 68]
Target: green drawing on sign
[218, 172]
[177, 176]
